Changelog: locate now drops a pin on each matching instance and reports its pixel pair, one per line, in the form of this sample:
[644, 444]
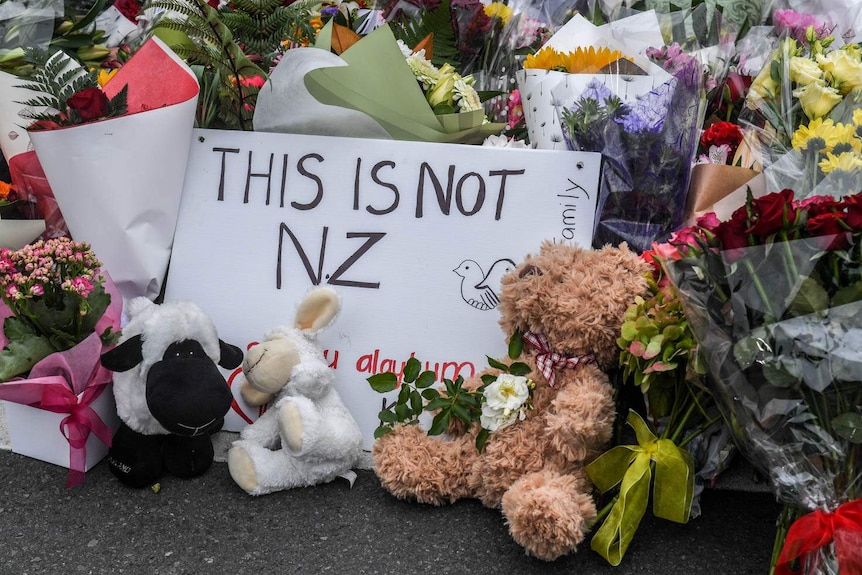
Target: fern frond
[213, 46]
[437, 22]
[57, 78]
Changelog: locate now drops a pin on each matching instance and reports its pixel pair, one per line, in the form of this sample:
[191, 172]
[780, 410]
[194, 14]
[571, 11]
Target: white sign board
[413, 236]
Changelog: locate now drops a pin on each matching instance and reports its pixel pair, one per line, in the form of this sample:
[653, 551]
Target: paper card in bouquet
[414, 236]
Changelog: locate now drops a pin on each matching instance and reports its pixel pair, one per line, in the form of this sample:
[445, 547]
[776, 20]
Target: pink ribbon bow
[549, 361]
[54, 386]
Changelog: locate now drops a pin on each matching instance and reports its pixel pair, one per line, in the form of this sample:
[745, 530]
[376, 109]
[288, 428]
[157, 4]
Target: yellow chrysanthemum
[581, 61]
[847, 162]
[817, 136]
[498, 10]
[105, 75]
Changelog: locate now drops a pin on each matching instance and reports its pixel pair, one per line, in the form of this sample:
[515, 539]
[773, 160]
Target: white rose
[493, 419]
[508, 393]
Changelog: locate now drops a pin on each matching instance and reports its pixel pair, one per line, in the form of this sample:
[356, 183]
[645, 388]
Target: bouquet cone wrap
[24, 168]
[118, 181]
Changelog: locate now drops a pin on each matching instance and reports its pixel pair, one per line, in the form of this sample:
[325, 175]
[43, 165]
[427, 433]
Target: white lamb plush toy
[307, 436]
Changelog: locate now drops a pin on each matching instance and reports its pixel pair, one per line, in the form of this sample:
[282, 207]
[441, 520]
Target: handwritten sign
[415, 237]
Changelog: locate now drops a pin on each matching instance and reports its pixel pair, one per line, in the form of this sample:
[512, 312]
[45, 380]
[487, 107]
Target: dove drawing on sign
[479, 289]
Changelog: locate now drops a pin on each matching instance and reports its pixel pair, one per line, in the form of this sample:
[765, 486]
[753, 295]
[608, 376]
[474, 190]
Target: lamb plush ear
[125, 356]
[317, 310]
[230, 356]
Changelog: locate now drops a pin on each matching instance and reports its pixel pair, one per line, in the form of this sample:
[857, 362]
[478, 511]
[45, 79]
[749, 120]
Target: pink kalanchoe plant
[56, 295]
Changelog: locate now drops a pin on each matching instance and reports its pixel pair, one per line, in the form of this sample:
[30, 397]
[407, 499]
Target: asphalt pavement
[208, 525]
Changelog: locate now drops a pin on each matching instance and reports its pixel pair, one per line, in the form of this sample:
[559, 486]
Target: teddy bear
[569, 304]
[169, 392]
[308, 435]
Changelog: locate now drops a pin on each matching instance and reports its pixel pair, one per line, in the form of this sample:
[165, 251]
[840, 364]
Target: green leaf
[482, 439]
[426, 379]
[497, 364]
[387, 416]
[516, 345]
[411, 370]
[24, 350]
[383, 382]
[403, 412]
[416, 402]
[810, 297]
[437, 403]
[847, 294]
[849, 426]
[462, 413]
[440, 423]
[381, 431]
[488, 379]
[430, 394]
[519, 368]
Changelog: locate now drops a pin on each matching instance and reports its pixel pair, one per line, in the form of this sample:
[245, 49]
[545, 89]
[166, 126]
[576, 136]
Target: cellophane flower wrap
[647, 149]
[803, 113]
[774, 298]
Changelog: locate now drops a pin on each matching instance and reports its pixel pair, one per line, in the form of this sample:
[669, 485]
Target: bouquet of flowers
[658, 356]
[57, 296]
[647, 148]
[773, 297]
[804, 107]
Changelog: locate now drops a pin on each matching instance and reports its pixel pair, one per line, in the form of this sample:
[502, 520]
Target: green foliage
[74, 36]
[261, 27]
[438, 22]
[24, 350]
[57, 77]
[213, 47]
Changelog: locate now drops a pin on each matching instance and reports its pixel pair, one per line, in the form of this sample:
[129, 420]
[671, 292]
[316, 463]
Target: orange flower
[5, 191]
[581, 61]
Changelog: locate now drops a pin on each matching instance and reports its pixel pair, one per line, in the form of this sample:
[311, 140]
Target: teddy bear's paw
[548, 513]
[290, 422]
[241, 469]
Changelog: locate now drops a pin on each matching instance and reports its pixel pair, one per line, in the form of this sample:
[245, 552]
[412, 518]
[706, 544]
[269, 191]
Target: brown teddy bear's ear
[317, 310]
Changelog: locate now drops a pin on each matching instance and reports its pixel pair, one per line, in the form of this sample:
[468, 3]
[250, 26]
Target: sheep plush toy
[307, 436]
[169, 392]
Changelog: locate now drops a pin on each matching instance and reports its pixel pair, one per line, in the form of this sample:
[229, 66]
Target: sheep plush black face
[169, 391]
[186, 393]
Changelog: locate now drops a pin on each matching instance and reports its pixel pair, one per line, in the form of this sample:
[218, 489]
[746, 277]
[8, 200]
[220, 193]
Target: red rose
[737, 86]
[732, 233]
[128, 8]
[721, 134]
[709, 222]
[828, 230]
[853, 205]
[816, 205]
[771, 213]
[90, 104]
[42, 125]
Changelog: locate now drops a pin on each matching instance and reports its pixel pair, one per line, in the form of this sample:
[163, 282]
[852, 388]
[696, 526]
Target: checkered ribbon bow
[549, 361]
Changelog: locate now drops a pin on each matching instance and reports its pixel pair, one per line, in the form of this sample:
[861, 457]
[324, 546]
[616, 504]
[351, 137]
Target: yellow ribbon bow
[631, 467]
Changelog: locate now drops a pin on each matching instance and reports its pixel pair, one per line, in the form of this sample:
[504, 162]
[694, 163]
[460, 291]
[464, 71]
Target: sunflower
[818, 136]
[581, 61]
[498, 10]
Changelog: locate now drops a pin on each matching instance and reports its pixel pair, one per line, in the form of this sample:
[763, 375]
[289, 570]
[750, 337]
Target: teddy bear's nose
[530, 270]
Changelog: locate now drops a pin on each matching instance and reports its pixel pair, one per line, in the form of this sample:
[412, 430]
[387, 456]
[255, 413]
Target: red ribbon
[549, 361]
[820, 528]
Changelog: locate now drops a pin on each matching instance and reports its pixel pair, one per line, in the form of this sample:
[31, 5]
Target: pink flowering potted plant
[59, 313]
